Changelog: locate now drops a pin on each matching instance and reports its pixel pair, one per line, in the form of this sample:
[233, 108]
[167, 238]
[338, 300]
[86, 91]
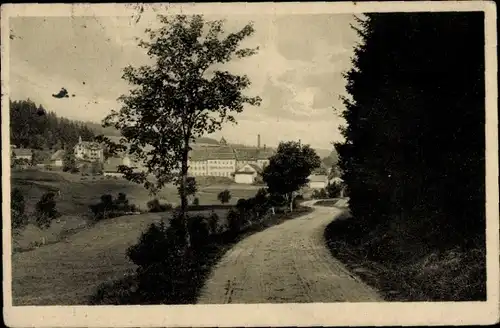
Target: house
[110, 166]
[57, 158]
[22, 153]
[88, 150]
[317, 181]
[247, 174]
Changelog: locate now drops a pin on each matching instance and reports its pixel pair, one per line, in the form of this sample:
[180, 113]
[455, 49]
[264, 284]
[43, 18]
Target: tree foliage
[18, 204]
[69, 161]
[414, 141]
[289, 168]
[46, 211]
[184, 95]
[191, 187]
[29, 129]
[224, 196]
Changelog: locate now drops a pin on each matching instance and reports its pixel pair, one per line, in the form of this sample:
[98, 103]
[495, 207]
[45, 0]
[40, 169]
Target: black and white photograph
[275, 164]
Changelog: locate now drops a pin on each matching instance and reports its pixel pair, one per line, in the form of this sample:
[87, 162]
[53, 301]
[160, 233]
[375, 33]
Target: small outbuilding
[247, 174]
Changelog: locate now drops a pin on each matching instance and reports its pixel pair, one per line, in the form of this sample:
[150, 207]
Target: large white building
[225, 160]
[89, 151]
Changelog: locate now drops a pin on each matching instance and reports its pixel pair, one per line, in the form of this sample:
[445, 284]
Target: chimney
[258, 141]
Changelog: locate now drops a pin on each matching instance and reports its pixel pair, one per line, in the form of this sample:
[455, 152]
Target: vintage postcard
[250, 164]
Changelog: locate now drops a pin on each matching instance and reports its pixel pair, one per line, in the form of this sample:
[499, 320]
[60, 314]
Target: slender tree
[184, 95]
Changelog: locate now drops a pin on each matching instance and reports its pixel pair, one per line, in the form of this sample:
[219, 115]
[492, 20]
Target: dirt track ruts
[287, 263]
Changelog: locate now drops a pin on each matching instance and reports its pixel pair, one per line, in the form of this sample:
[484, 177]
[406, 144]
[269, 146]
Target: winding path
[286, 263]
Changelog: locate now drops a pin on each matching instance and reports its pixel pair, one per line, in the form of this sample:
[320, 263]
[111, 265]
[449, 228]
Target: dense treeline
[32, 126]
[414, 156]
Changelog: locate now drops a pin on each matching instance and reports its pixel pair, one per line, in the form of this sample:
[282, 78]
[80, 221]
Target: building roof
[249, 169]
[252, 154]
[21, 152]
[89, 144]
[59, 154]
[317, 178]
[222, 152]
[227, 152]
[206, 141]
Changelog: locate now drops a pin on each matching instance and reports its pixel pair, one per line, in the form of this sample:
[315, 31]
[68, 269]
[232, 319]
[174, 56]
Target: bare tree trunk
[184, 202]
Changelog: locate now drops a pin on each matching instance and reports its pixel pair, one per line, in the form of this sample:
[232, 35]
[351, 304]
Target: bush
[224, 196]
[199, 231]
[235, 222]
[196, 201]
[157, 244]
[109, 208]
[18, 217]
[333, 190]
[213, 223]
[155, 206]
[319, 194]
[45, 210]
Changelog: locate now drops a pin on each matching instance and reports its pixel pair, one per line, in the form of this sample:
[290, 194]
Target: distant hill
[322, 153]
[98, 129]
[331, 159]
[32, 126]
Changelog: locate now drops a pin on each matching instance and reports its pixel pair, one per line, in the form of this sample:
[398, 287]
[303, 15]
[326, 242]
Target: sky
[297, 71]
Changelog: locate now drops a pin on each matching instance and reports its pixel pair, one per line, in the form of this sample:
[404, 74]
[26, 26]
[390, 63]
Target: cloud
[297, 71]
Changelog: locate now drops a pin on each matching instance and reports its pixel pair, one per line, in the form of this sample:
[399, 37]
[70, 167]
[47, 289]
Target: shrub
[224, 196]
[45, 210]
[241, 204]
[110, 208]
[155, 206]
[333, 190]
[235, 222]
[198, 230]
[157, 244]
[319, 194]
[18, 217]
[196, 201]
[213, 223]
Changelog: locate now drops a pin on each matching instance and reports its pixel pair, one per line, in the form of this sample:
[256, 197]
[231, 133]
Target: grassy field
[78, 194]
[433, 276]
[67, 272]
[78, 256]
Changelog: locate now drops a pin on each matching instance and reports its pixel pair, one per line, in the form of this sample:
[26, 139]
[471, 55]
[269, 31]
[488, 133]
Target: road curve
[287, 263]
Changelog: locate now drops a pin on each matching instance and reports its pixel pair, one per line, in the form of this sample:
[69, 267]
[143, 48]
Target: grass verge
[432, 275]
[181, 282]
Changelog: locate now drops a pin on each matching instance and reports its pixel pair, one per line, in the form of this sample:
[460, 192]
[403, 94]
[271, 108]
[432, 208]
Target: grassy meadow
[78, 256]
[77, 194]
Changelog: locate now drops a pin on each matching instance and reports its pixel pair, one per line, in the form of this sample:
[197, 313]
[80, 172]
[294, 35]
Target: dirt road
[286, 263]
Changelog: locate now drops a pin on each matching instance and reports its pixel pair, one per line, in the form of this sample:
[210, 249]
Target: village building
[224, 160]
[56, 159]
[22, 153]
[318, 181]
[247, 174]
[110, 166]
[89, 151]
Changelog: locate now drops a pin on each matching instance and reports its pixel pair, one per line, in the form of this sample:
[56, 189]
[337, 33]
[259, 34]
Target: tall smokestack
[258, 141]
